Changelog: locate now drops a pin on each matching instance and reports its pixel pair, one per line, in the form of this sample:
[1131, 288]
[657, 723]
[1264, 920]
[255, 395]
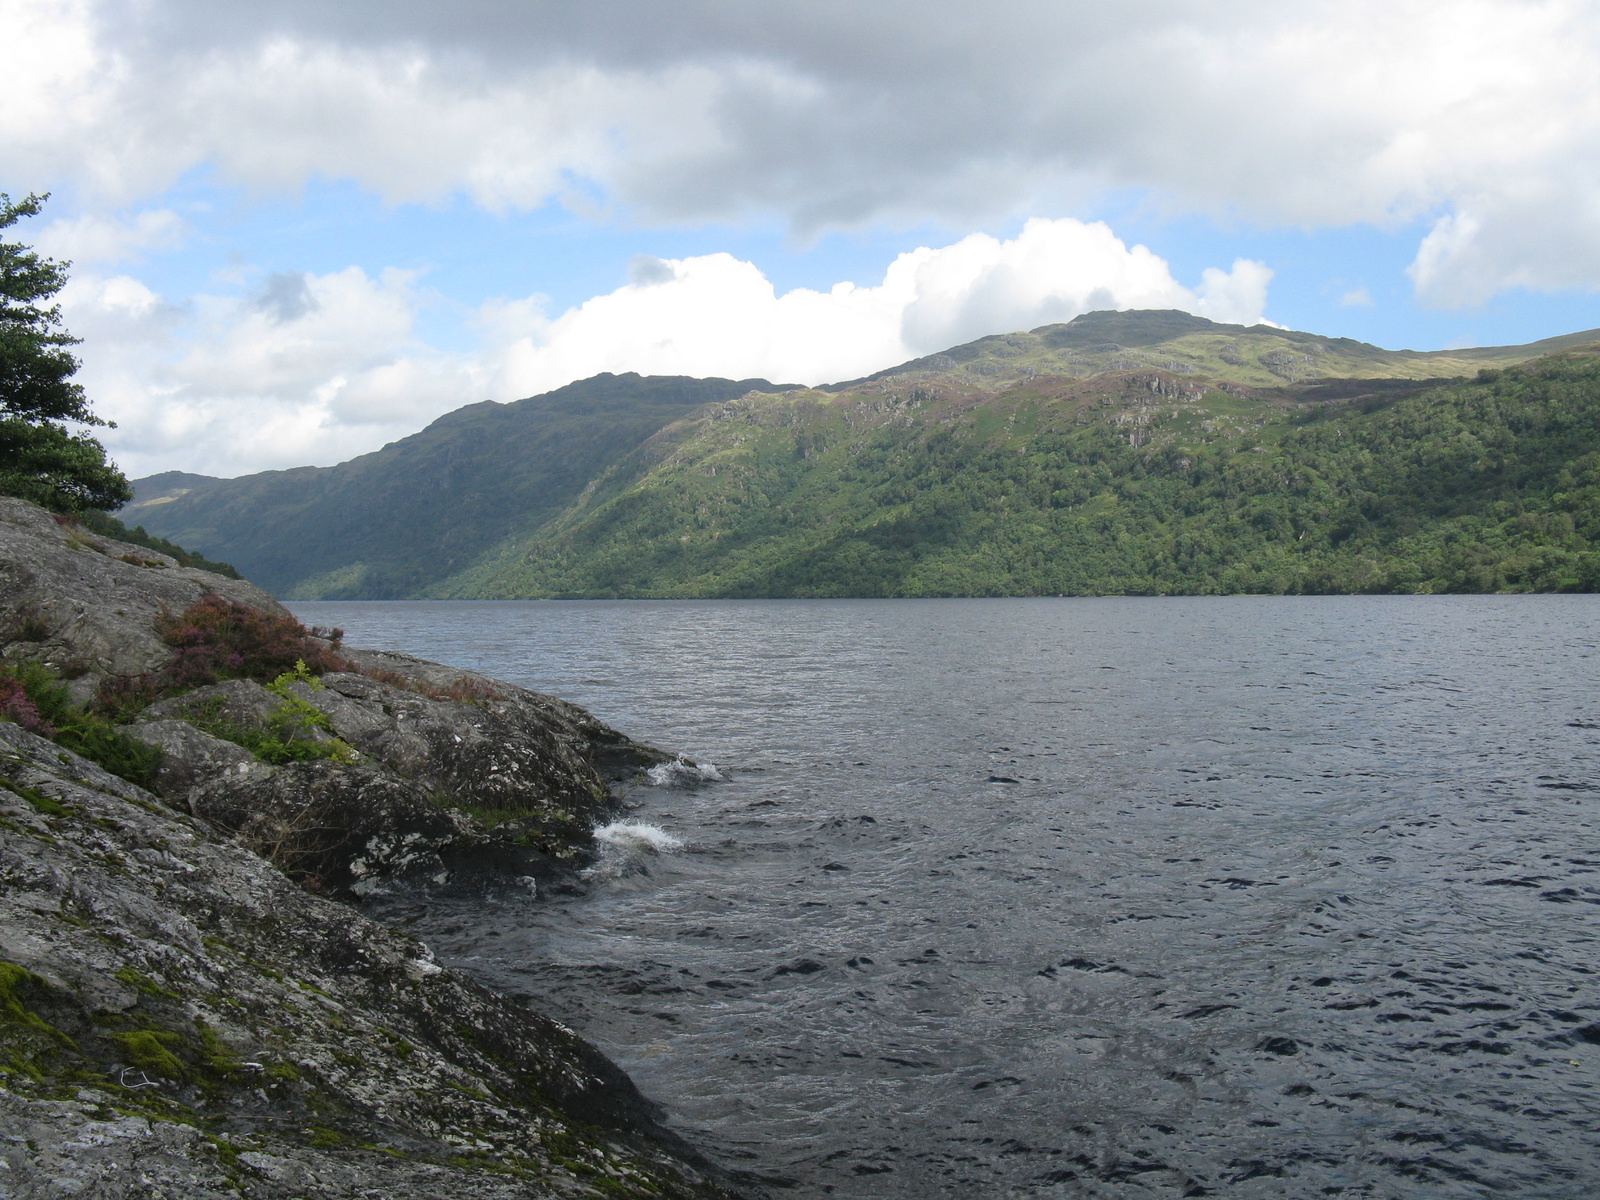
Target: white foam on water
[681, 772]
[637, 836]
[624, 845]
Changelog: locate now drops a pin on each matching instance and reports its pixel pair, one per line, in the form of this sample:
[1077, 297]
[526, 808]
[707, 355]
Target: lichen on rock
[175, 1013]
[182, 1014]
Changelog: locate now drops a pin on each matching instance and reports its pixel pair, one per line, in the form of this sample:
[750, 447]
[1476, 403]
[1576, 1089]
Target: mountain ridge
[424, 505]
[460, 511]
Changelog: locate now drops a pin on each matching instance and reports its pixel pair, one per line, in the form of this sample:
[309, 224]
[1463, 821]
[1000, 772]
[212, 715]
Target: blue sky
[467, 254]
[301, 231]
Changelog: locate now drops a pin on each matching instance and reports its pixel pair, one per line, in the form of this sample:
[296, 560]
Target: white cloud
[95, 239]
[1356, 297]
[227, 385]
[1326, 112]
[299, 369]
[716, 315]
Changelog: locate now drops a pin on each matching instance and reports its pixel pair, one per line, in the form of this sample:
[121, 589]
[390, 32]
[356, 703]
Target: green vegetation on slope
[34, 697]
[391, 523]
[108, 526]
[1133, 483]
[1043, 462]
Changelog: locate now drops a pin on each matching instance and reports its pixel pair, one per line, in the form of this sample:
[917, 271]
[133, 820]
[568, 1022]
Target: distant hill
[394, 522]
[1120, 452]
[169, 485]
[1167, 339]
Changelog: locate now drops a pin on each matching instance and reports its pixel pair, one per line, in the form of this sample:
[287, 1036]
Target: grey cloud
[645, 271]
[285, 296]
[835, 113]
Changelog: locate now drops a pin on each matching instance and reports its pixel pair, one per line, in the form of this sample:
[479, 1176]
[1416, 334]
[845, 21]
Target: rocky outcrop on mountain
[179, 1020]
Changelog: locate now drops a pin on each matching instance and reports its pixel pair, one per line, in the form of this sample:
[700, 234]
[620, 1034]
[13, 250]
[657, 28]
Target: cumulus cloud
[92, 239]
[716, 315]
[1470, 112]
[298, 368]
[306, 369]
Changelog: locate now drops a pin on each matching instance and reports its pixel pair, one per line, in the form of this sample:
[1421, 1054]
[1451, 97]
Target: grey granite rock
[511, 749]
[332, 825]
[242, 703]
[190, 758]
[86, 605]
[426, 738]
[182, 1021]
[179, 1019]
[614, 755]
[400, 799]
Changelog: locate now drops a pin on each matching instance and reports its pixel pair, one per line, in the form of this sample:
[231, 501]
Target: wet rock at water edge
[180, 1014]
[187, 1022]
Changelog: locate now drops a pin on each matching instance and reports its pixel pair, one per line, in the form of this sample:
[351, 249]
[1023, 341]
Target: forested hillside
[1136, 483]
[1124, 452]
[393, 522]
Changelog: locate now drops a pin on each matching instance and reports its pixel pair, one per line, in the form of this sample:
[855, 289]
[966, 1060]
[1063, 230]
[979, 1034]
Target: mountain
[166, 487]
[1121, 452]
[396, 521]
[1261, 355]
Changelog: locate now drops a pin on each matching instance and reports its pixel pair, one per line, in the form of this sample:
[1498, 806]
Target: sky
[302, 230]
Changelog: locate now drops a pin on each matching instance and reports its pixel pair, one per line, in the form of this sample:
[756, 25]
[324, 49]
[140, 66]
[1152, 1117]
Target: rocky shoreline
[191, 1008]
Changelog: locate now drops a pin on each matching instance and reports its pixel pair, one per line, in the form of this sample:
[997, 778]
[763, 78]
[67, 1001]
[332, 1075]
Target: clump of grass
[28, 1042]
[148, 1050]
[40, 802]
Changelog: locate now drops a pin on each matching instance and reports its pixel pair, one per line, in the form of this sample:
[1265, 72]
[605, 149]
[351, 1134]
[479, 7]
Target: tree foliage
[1487, 486]
[41, 458]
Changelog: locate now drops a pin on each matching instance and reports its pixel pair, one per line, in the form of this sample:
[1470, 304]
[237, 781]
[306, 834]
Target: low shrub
[219, 639]
[120, 698]
[216, 639]
[289, 735]
[34, 697]
[16, 706]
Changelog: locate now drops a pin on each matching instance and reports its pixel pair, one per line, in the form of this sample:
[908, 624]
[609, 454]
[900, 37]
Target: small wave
[681, 772]
[626, 845]
[637, 836]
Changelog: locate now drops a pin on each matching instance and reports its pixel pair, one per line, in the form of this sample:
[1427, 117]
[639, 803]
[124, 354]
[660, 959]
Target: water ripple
[1091, 898]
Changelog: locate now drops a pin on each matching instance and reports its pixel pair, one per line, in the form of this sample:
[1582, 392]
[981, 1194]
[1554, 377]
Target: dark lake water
[1064, 898]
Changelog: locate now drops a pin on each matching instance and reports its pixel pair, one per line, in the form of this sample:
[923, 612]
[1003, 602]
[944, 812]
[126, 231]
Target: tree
[41, 458]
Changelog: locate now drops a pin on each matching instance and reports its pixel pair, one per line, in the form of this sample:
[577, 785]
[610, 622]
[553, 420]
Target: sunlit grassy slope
[1260, 356]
